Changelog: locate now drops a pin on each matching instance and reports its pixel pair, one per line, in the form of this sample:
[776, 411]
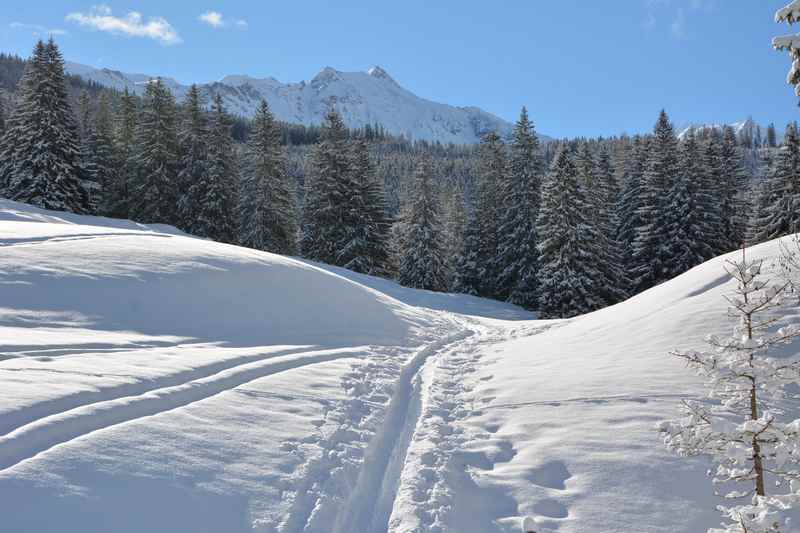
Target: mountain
[362, 98]
[748, 128]
[157, 382]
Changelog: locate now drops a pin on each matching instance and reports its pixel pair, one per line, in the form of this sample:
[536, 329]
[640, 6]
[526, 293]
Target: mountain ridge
[362, 98]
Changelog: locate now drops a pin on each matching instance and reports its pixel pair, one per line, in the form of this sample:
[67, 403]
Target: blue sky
[583, 67]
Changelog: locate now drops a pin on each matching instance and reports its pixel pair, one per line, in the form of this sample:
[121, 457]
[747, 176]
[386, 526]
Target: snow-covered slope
[161, 383]
[745, 127]
[362, 98]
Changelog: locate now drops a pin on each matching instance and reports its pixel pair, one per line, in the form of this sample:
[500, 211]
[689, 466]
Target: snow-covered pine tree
[630, 204]
[780, 209]
[84, 115]
[118, 193]
[744, 429]
[454, 214]
[517, 253]
[2, 117]
[791, 43]
[422, 258]
[651, 254]
[772, 137]
[213, 196]
[466, 268]
[329, 194]
[193, 140]
[367, 246]
[489, 207]
[569, 281]
[154, 196]
[267, 200]
[733, 185]
[101, 166]
[40, 151]
[688, 245]
[607, 248]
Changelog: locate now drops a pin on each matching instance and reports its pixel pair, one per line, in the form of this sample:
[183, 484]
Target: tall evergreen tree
[688, 244]
[491, 177]
[329, 194]
[467, 267]
[213, 196]
[712, 207]
[101, 166]
[772, 138]
[40, 152]
[569, 280]
[193, 138]
[155, 196]
[422, 262]
[651, 252]
[267, 200]
[780, 202]
[733, 186]
[517, 252]
[630, 204]
[119, 192]
[367, 246]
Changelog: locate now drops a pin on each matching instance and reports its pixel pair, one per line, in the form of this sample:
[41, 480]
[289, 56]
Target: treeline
[563, 227]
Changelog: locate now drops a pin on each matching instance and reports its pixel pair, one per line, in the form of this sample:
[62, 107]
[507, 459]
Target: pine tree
[630, 204]
[780, 211]
[213, 196]
[267, 200]
[733, 187]
[467, 267]
[491, 177]
[101, 166]
[329, 194]
[651, 252]
[119, 192]
[688, 245]
[422, 263]
[84, 115]
[772, 138]
[193, 138]
[455, 227]
[608, 250]
[569, 280]
[712, 209]
[154, 196]
[40, 152]
[367, 248]
[517, 252]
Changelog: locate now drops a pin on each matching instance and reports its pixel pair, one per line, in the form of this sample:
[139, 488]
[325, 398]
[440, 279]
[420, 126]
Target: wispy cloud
[131, 25]
[36, 29]
[676, 11]
[216, 20]
[678, 26]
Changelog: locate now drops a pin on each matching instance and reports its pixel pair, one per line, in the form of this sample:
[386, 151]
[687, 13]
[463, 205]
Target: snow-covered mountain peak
[366, 97]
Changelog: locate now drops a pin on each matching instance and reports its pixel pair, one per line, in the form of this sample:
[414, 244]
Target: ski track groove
[16, 419]
[42, 435]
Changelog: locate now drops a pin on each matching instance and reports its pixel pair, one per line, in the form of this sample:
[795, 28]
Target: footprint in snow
[552, 475]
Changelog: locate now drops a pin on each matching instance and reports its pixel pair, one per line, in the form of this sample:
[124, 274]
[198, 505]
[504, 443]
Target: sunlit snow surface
[153, 382]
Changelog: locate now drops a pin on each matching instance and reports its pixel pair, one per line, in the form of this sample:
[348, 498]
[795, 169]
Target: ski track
[16, 419]
[43, 434]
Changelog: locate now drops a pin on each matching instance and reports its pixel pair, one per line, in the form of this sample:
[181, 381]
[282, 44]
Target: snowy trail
[377, 483]
[41, 435]
[28, 414]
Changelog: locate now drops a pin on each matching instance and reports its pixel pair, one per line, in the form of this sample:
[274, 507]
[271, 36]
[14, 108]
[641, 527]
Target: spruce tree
[711, 180]
[569, 280]
[267, 200]
[422, 262]
[733, 186]
[193, 138]
[780, 203]
[367, 246]
[630, 204]
[489, 207]
[119, 192]
[330, 190]
[517, 252]
[467, 267]
[688, 245]
[651, 252]
[154, 197]
[213, 196]
[101, 166]
[40, 151]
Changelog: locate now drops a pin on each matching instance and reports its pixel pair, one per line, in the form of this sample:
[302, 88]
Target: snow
[362, 98]
[157, 382]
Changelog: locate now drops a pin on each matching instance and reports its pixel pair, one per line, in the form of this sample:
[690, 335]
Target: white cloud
[37, 29]
[678, 26]
[132, 25]
[216, 20]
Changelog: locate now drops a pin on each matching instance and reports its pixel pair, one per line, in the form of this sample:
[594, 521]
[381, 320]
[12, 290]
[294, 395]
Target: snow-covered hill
[162, 383]
[746, 127]
[362, 98]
